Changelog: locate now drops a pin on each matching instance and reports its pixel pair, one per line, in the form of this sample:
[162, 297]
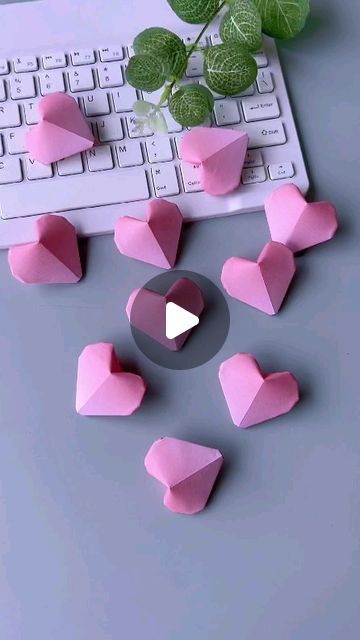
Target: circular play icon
[178, 319]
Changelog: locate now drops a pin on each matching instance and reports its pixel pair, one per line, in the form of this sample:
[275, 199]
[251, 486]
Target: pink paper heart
[187, 470]
[146, 310]
[262, 284]
[295, 222]
[155, 240]
[103, 388]
[52, 259]
[220, 153]
[62, 131]
[253, 396]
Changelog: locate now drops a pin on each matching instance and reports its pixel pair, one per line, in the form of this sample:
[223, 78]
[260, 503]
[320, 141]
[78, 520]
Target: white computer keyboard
[96, 187]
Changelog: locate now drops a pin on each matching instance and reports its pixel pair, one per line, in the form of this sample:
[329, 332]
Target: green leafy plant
[161, 58]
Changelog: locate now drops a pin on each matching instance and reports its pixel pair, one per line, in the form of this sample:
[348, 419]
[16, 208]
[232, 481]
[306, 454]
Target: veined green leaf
[165, 45]
[191, 105]
[146, 72]
[242, 24]
[194, 11]
[283, 18]
[229, 69]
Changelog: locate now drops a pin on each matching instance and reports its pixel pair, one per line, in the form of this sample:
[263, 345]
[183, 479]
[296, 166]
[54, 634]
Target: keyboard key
[51, 82]
[82, 56]
[96, 104]
[173, 126]
[191, 177]
[108, 54]
[258, 108]
[15, 141]
[253, 175]
[165, 181]
[110, 129]
[56, 60]
[9, 115]
[130, 50]
[154, 97]
[110, 75]
[91, 190]
[1, 146]
[281, 171]
[4, 67]
[261, 59]
[22, 87]
[10, 171]
[215, 38]
[265, 135]
[133, 131]
[32, 115]
[188, 40]
[226, 112]
[247, 92]
[25, 63]
[81, 80]
[264, 81]
[124, 98]
[217, 96]
[129, 154]
[253, 158]
[159, 150]
[70, 166]
[2, 91]
[100, 158]
[196, 65]
[37, 171]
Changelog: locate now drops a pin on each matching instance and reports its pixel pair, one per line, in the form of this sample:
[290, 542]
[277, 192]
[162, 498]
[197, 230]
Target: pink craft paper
[220, 153]
[52, 259]
[62, 131]
[262, 284]
[103, 388]
[295, 222]
[146, 310]
[253, 396]
[155, 240]
[187, 470]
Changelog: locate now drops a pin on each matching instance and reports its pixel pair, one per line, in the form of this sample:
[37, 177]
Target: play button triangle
[178, 320]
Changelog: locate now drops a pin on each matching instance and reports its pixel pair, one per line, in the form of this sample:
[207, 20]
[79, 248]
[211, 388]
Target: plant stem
[168, 89]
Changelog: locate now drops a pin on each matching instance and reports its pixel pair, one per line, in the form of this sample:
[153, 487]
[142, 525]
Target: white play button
[178, 320]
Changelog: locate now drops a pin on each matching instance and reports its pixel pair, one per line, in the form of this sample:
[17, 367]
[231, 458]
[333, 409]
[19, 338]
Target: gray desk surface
[87, 550]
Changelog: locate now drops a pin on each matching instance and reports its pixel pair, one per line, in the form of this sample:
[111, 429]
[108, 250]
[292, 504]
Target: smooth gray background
[88, 552]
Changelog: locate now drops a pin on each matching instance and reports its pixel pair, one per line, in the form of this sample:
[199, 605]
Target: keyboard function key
[110, 129]
[82, 56]
[10, 170]
[51, 82]
[282, 170]
[4, 67]
[32, 115]
[253, 175]
[264, 81]
[226, 112]
[110, 75]
[191, 177]
[37, 171]
[70, 166]
[265, 135]
[96, 104]
[165, 181]
[9, 115]
[15, 141]
[81, 80]
[253, 158]
[159, 150]
[100, 158]
[258, 108]
[111, 54]
[56, 60]
[129, 153]
[23, 64]
[22, 87]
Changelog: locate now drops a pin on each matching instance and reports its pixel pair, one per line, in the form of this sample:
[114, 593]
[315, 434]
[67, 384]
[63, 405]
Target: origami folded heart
[154, 240]
[62, 131]
[187, 470]
[52, 259]
[146, 310]
[220, 154]
[262, 284]
[103, 388]
[253, 396]
[295, 222]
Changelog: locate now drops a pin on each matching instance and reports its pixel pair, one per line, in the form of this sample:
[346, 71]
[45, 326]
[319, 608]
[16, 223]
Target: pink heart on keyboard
[62, 131]
[262, 284]
[187, 470]
[295, 222]
[52, 259]
[253, 396]
[103, 388]
[220, 154]
[155, 240]
[146, 310]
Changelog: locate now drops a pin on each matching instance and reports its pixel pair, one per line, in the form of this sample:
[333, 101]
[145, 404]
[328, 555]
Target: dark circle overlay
[204, 341]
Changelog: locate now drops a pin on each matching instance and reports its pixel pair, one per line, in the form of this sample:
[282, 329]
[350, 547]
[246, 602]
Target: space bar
[65, 194]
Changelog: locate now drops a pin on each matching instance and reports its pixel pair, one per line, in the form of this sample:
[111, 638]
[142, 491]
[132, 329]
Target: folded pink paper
[295, 222]
[262, 284]
[61, 132]
[220, 153]
[187, 470]
[52, 259]
[146, 310]
[155, 240]
[103, 388]
[253, 396]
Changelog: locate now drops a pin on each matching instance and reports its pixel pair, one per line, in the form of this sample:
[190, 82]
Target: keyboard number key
[51, 82]
[165, 181]
[22, 87]
[81, 80]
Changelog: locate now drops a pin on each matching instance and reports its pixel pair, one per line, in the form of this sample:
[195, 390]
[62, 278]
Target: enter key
[258, 108]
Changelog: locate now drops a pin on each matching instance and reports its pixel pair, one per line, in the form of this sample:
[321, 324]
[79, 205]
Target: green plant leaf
[283, 18]
[242, 24]
[146, 72]
[191, 105]
[229, 69]
[194, 11]
[163, 44]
